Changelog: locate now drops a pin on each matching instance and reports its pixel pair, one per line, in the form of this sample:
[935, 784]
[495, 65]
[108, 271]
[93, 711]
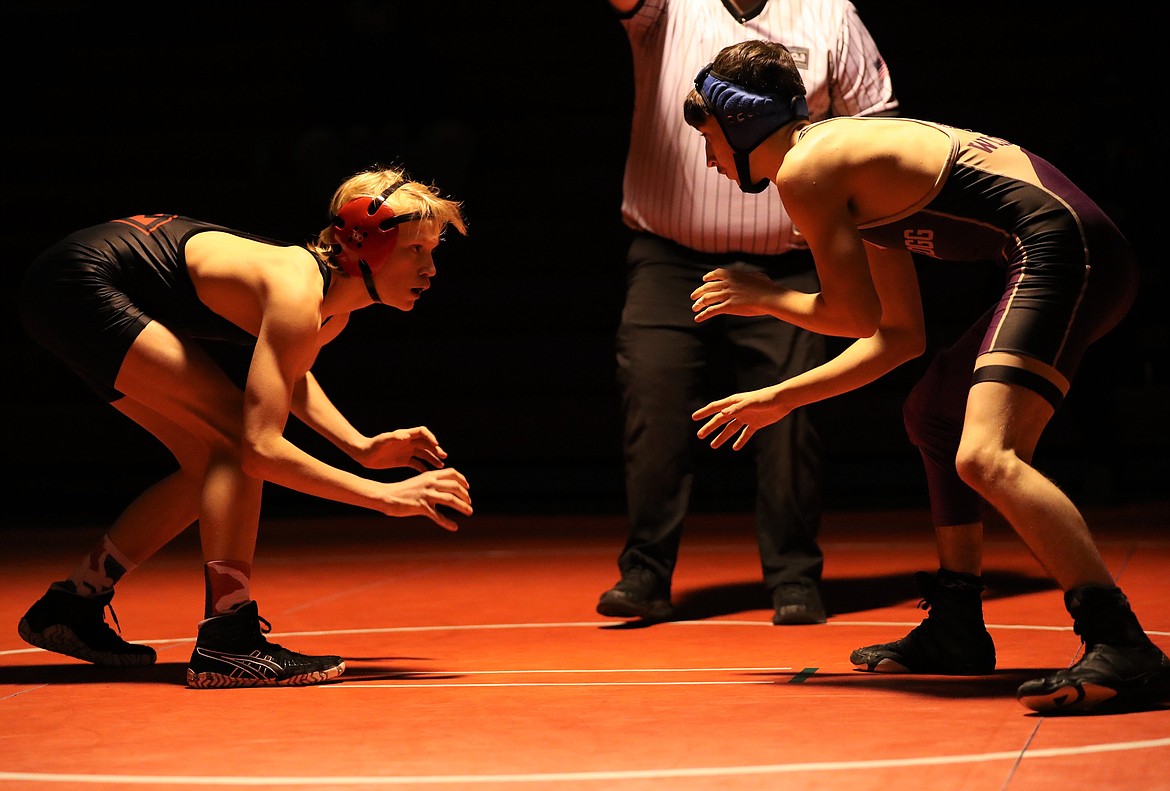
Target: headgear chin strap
[366, 229]
[746, 118]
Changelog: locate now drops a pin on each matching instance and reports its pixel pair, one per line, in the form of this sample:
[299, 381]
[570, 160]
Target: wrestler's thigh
[177, 379]
[1004, 417]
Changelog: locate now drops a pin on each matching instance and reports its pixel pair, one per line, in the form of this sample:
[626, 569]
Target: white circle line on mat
[557, 777]
[616, 625]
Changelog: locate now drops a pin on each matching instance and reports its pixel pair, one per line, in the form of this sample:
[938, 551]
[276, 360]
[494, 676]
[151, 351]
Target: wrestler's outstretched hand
[426, 494]
[743, 414]
[416, 448]
[733, 292]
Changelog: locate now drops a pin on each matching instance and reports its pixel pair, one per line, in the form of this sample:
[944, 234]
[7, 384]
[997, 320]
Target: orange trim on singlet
[147, 223]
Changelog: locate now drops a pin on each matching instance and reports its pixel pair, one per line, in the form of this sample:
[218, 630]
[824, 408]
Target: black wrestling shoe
[231, 651]
[951, 641]
[75, 625]
[639, 594]
[1121, 667]
[797, 603]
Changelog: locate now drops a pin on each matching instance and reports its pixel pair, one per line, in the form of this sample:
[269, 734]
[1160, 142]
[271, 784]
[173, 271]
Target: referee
[687, 220]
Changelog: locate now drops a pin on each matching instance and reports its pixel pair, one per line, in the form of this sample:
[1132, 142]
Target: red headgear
[366, 230]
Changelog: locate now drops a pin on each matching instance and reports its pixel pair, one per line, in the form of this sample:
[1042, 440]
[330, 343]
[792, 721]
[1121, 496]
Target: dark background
[249, 115]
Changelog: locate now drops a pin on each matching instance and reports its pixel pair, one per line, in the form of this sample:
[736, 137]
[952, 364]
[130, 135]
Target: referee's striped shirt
[668, 190]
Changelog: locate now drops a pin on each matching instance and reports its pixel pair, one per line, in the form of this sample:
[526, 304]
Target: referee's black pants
[669, 366]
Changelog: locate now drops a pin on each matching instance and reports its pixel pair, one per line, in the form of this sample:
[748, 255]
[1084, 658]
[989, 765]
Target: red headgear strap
[366, 230]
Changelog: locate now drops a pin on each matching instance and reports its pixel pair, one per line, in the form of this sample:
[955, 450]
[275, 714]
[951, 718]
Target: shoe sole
[221, 681]
[60, 639]
[887, 664]
[1072, 697]
[1068, 698]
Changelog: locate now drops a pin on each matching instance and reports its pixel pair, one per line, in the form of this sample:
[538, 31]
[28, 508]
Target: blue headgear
[746, 118]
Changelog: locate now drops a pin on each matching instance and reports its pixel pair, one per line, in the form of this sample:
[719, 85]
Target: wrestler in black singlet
[1070, 278]
[1071, 275]
[88, 297]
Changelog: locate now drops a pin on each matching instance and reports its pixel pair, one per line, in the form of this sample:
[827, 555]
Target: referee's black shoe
[796, 603]
[640, 593]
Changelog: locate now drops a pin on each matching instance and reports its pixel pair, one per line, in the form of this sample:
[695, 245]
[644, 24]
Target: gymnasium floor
[476, 660]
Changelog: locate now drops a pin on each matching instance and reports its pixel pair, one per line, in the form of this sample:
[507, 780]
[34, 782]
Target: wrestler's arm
[900, 336]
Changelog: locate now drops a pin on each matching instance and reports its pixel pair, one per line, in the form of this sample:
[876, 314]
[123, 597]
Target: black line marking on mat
[803, 675]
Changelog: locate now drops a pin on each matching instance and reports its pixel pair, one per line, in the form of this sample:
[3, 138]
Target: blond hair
[411, 197]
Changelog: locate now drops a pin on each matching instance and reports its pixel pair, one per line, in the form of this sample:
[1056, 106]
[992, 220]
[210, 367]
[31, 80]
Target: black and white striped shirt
[668, 190]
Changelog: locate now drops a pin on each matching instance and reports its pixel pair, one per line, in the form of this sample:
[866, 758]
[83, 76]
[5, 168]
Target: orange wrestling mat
[475, 660]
